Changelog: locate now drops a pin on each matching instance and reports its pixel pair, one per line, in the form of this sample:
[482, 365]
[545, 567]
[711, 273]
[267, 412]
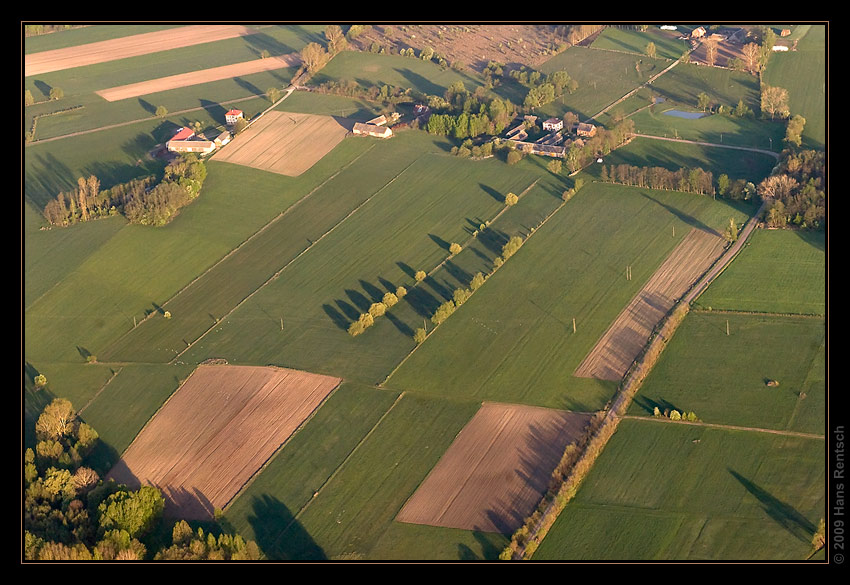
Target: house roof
[233, 113]
[183, 134]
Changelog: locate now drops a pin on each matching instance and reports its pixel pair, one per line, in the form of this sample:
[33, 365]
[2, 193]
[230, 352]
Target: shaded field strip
[250, 239]
[335, 472]
[102, 388]
[285, 266]
[757, 313]
[726, 427]
[129, 46]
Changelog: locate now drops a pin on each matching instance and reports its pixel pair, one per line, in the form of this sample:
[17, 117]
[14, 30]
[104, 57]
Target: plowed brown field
[614, 353]
[132, 46]
[284, 142]
[216, 432]
[494, 473]
[132, 90]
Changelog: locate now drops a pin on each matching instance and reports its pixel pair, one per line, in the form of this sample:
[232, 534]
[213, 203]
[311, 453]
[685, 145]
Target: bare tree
[752, 53]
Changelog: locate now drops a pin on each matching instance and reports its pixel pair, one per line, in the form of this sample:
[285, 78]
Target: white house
[553, 124]
[231, 116]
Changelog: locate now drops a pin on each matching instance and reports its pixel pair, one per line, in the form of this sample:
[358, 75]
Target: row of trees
[71, 514]
[694, 180]
[377, 309]
[542, 88]
[142, 201]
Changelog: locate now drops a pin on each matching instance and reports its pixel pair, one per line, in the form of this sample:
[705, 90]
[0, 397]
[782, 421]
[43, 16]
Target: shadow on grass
[279, 535]
[782, 513]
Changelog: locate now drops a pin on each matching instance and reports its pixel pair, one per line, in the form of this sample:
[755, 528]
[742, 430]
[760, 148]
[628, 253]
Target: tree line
[143, 201]
[70, 513]
[694, 180]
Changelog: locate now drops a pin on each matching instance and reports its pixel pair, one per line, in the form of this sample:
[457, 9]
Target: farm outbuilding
[372, 130]
[184, 140]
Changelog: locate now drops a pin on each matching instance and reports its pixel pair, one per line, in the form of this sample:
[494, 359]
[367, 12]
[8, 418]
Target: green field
[779, 271]
[667, 46]
[723, 378]
[265, 509]
[85, 35]
[666, 491]
[603, 77]
[803, 74]
[513, 340]
[355, 509]
[685, 82]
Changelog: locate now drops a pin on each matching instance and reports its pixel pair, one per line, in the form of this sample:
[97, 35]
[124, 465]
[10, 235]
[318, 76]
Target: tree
[455, 248]
[161, 111]
[751, 53]
[511, 199]
[794, 131]
[400, 292]
[273, 94]
[314, 57]
[703, 101]
[722, 185]
[476, 281]
[377, 309]
[28, 99]
[239, 126]
[57, 420]
[514, 156]
[774, 101]
[390, 300]
[419, 336]
[650, 50]
[731, 233]
[134, 512]
[460, 296]
[710, 51]
[420, 275]
[443, 312]
[336, 40]
[56, 93]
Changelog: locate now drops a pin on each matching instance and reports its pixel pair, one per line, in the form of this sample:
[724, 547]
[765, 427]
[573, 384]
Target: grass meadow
[779, 271]
[665, 491]
[686, 81]
[354, 511]
[723, 378]
[667, 46]
[513, 340]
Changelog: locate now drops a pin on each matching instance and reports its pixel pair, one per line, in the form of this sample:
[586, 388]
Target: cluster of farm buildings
[555, 143]
[186, 140]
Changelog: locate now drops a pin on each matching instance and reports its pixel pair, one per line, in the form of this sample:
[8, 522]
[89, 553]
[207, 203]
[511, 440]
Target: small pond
[688, 115]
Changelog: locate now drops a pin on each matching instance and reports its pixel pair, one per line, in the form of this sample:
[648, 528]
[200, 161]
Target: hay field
[284, 143]
[614, 353]
[131, 46]
[123, 92]
[496, 470]
[216, 432]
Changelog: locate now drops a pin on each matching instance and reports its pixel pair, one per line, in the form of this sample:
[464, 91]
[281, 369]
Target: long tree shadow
[423, 302]
[688, 219]
[349, 311]
[360, 301]
[459, 274]
[440, 242]
[493, 239]
[279, 535]
[338, 318]
[373, 291]
[649, 405]
[403, 327]
[784, 514]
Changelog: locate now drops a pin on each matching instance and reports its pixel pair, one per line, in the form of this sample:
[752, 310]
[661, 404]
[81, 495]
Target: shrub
[40, 381]
[167, 314]
[455, 248]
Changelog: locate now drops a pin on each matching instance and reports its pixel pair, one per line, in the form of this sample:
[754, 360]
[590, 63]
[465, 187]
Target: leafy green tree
[196, 546]
[650, 50]
[443, 312]
[273, 94]
[377, 309]
[514, 156]
[390, 300]
[134, 512]
[477, 281]
[419, 336]
[56, 93]
[460, 296]
[794, 131]
[703, 101]
[723, 185]
[511, 246]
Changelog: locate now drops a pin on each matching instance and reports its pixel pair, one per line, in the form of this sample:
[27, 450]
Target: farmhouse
[382, 119]
[184, 140]
[587, 130]
[222, 139]
[372, 130]
[231, 116]
[553, 124]
[698, 32]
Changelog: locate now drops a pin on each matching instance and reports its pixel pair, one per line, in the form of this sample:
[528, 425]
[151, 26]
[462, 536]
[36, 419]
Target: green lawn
[513, 340]
[85, 35]
[779, 271]
[685, 82]
[667, 491]
[723, 378]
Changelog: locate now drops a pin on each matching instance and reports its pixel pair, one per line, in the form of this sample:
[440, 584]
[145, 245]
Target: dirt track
[216, 432]
[612, 356]
[495, 471]
[132, 46]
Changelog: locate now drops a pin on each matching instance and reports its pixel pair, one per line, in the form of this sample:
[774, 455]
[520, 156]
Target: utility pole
[281, 323]
[727, 326]
[574, 324]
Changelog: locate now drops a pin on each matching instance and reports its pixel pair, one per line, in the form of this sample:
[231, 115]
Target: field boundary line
[102, 388]
[285, 266]
[726, 427]
[250, 238]
[339, 467]
[757, 313]
[280, 447]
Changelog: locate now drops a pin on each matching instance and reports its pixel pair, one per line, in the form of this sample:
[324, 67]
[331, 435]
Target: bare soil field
[474, 45]
[614, 353]
[285, 143]
[113, 94]
[132, 46]
[216, 432]
[496, 470]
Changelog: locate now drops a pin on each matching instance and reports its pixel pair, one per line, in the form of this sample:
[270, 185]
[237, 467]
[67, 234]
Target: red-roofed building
[183, 134]
[231, 116]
